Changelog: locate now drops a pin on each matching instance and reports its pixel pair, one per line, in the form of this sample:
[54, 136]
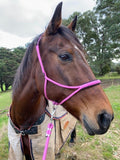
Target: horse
[55, 68]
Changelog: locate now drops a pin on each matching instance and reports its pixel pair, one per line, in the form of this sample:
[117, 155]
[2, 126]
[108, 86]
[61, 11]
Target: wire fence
[110, 82]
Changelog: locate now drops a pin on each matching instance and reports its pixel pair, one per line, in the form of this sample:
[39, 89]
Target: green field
[103, 147]
[110, 75]
[5, 101]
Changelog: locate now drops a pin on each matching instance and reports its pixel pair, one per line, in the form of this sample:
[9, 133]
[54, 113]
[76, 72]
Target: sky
[22, 20]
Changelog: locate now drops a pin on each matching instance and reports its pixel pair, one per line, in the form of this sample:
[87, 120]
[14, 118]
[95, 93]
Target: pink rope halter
[78, 88]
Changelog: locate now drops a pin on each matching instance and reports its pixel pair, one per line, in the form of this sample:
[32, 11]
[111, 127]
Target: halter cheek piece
[76, 88]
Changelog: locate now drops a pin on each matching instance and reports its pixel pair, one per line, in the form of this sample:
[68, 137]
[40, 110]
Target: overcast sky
[22, 20]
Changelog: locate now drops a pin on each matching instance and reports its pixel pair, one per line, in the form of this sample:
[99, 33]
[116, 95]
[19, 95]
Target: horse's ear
[55, 21]
[72, 25]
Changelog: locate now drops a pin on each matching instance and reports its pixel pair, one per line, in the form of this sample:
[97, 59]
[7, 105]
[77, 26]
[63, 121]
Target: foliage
[9, 61]
[94, 30]
[6, 64]
[109, 11]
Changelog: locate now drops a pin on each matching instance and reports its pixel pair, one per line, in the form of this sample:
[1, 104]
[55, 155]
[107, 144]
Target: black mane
[24, 66]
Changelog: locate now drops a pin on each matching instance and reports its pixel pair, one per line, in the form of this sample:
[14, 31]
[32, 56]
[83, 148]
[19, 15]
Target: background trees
[109, 11]
[9, 62]
[99, 32]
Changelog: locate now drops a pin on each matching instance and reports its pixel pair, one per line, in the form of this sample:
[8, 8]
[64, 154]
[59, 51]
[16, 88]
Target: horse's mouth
[92, 130]
[88, 128]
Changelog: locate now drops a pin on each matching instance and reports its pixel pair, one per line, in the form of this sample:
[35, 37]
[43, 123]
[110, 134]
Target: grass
[3, 144]
[5, 99]
[110, 75]
[103, 147]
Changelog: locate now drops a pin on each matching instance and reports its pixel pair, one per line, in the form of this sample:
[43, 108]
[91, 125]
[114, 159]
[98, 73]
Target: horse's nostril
[104, 120]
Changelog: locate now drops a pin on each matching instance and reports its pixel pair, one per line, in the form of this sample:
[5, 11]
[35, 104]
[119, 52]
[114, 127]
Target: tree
[9, 62]
[5, 66]
[18, 53]
[95, 41]
[109, 13]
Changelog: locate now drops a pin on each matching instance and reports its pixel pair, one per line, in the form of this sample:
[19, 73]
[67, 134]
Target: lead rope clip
[52, 114]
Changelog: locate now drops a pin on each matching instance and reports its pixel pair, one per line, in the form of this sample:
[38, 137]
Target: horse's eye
[65, 57]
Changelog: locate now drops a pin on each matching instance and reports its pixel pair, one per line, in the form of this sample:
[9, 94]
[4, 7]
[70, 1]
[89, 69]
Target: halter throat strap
[76, 88]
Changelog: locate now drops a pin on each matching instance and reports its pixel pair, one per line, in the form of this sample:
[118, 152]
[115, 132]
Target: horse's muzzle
[103, 119]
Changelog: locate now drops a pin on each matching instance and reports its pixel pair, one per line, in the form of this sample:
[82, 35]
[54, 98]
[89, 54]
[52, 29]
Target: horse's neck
[27, 105]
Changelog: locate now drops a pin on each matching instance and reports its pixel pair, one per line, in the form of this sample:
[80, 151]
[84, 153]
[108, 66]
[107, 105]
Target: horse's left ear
[55, 21]
[72, 25]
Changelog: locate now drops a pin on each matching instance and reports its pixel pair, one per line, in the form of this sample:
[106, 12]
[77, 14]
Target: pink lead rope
[48, 133]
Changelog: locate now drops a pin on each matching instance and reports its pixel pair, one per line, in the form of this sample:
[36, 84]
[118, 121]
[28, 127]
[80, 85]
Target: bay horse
[63, 76]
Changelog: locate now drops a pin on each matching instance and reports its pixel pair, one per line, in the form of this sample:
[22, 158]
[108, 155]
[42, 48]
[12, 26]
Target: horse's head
[64, 61]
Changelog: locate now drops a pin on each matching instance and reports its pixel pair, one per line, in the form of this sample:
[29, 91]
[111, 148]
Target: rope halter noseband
[77, 88]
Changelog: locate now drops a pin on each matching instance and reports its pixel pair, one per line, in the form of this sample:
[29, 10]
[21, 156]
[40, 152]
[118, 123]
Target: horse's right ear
[55, 21]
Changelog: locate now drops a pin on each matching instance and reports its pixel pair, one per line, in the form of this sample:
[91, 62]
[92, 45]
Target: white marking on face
[76, 47]
[78, 50]
[82, 54]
